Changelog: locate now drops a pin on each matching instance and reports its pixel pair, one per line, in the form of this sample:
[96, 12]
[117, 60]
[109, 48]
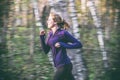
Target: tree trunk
[78, 59]
[116, 20]
[37, 14]
[107, 21]
[33, 27]
[24, 10]
[84, 19]
[97, 23]
[17, 13]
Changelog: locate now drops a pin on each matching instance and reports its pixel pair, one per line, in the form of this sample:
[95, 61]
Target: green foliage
[18, 63]
[114, 53]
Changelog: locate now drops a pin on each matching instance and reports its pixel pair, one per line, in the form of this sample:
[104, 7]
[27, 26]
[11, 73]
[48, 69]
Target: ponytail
[65, 25]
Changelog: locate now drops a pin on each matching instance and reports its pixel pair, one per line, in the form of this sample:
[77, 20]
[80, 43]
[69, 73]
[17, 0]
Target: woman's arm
[74, 43]
[45, 46]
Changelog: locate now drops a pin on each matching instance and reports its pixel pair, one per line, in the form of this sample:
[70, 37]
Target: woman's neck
[54, 29]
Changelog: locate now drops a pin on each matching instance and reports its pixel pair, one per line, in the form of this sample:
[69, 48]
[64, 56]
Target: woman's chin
[49, 27]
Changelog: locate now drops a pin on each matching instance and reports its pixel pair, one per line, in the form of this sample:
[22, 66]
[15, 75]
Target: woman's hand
[42, 32]
[57, 45]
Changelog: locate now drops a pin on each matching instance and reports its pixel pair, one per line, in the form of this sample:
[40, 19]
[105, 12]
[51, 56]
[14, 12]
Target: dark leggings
[64, 73]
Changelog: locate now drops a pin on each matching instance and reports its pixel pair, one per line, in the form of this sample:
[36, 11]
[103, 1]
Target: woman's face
[50, 22]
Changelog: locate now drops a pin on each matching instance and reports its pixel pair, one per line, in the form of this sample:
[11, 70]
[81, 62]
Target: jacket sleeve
[72, 43]
[45, 46]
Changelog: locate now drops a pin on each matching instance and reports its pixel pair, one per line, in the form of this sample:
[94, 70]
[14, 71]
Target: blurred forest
[21, 56]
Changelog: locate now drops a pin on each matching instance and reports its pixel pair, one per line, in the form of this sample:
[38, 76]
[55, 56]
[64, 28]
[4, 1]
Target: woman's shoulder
[64, 31]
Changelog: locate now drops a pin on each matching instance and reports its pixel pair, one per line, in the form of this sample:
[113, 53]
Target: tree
[78, 59]
[97, 23]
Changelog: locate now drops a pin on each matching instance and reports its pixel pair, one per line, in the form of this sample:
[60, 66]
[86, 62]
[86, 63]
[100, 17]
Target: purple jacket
[66, 40]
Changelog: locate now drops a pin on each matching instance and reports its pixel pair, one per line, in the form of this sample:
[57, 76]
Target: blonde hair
[60, 21]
